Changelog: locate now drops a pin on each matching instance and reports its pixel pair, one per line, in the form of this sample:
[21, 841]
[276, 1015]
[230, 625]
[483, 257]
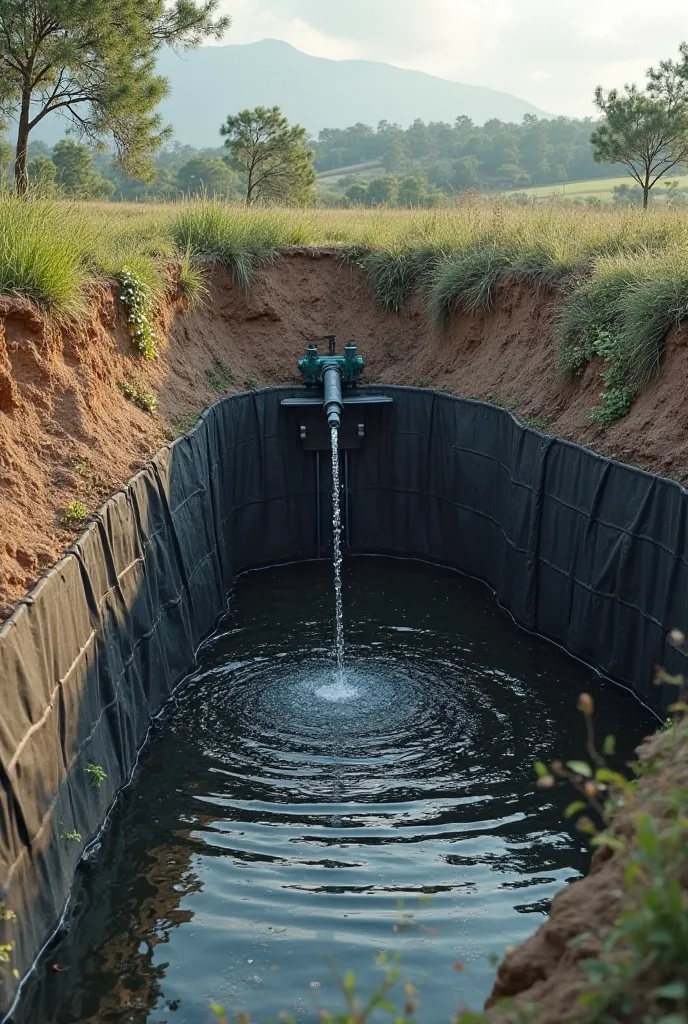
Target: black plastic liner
[585, 551]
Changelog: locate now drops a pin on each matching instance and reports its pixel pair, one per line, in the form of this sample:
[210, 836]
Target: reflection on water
[286, 821]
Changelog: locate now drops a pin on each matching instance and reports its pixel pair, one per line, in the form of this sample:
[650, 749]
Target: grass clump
[393, 273]
[242, 243]
[39, 258]
[623, 314]
[147, 401]
[191, 281]
[466, 280]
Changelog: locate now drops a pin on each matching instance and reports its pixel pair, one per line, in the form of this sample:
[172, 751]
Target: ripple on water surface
[286, 822]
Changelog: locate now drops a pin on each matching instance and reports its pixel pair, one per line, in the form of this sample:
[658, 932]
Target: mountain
[210, 83]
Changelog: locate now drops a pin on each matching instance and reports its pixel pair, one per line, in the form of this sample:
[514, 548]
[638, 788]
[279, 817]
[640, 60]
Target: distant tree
[272, 156]
[413, 190]
[357, 194]
[383, 191]
[94, 62]
[205, 175]
[75, 174]
[394, 157]
[466, 174]
[42, 173]
[646, 131]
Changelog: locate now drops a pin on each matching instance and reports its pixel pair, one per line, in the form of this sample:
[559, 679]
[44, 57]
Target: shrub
[75, 513]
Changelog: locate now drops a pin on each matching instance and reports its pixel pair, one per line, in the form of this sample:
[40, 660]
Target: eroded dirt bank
[68, 433]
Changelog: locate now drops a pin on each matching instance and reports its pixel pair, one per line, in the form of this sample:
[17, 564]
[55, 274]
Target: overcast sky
[551, 52]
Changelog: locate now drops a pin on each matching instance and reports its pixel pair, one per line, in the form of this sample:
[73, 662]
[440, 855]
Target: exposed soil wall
[67, 432]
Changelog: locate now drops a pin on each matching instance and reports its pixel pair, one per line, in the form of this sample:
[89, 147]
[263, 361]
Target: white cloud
[513, 45]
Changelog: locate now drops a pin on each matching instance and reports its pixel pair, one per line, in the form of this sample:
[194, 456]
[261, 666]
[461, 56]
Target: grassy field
[602, 188]
[623, 274]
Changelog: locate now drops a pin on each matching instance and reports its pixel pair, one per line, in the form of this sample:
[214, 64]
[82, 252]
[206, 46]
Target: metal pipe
[332, 390]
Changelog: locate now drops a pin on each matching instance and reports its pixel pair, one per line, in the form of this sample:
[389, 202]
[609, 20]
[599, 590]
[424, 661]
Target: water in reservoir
[282, 825]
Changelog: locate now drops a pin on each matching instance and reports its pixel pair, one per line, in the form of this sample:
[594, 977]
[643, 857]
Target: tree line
[454, 157]
[94, 63]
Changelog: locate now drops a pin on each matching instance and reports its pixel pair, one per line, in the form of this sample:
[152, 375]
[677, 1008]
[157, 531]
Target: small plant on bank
[618, 393]
[72, 837]
[137, 300]
[147, 401]
[6, 953]
[535, 423]
[640, 972]
[74, 513]
[220, 377]
[250, 383]
[182, 426]
[96, 775]
[6, 914]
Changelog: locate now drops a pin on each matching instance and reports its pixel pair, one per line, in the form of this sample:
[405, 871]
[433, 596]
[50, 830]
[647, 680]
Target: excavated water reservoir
[282, 823]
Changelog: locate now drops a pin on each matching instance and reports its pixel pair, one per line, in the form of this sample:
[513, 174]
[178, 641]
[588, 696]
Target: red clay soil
[67, 432]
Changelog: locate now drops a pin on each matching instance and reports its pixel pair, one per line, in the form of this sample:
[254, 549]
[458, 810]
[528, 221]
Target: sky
[550, 52]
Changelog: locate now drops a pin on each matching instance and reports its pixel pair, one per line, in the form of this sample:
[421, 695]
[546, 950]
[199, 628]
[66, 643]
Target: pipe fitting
[332, 395]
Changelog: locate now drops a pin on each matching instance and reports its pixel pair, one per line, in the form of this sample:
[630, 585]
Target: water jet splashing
[337, 556]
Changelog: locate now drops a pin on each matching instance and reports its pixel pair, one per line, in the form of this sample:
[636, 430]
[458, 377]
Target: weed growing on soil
[250, 383]
[72, 837]
[96, 775]
[137, 300]
[5, 913]
[535, 423]
[74, 513]
[182, 426]
[145, 400]
[640, 973]
[220, 377]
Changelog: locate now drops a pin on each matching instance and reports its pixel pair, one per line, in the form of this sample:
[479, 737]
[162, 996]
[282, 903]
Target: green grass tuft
[214, 231]
[192, 279]
[39, 258]
[392, 274]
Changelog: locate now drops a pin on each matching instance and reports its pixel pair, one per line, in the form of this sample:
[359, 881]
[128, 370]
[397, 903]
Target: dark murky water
[283, 823]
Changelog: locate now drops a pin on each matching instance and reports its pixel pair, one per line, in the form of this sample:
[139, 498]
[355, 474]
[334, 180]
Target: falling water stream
[337, 556]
